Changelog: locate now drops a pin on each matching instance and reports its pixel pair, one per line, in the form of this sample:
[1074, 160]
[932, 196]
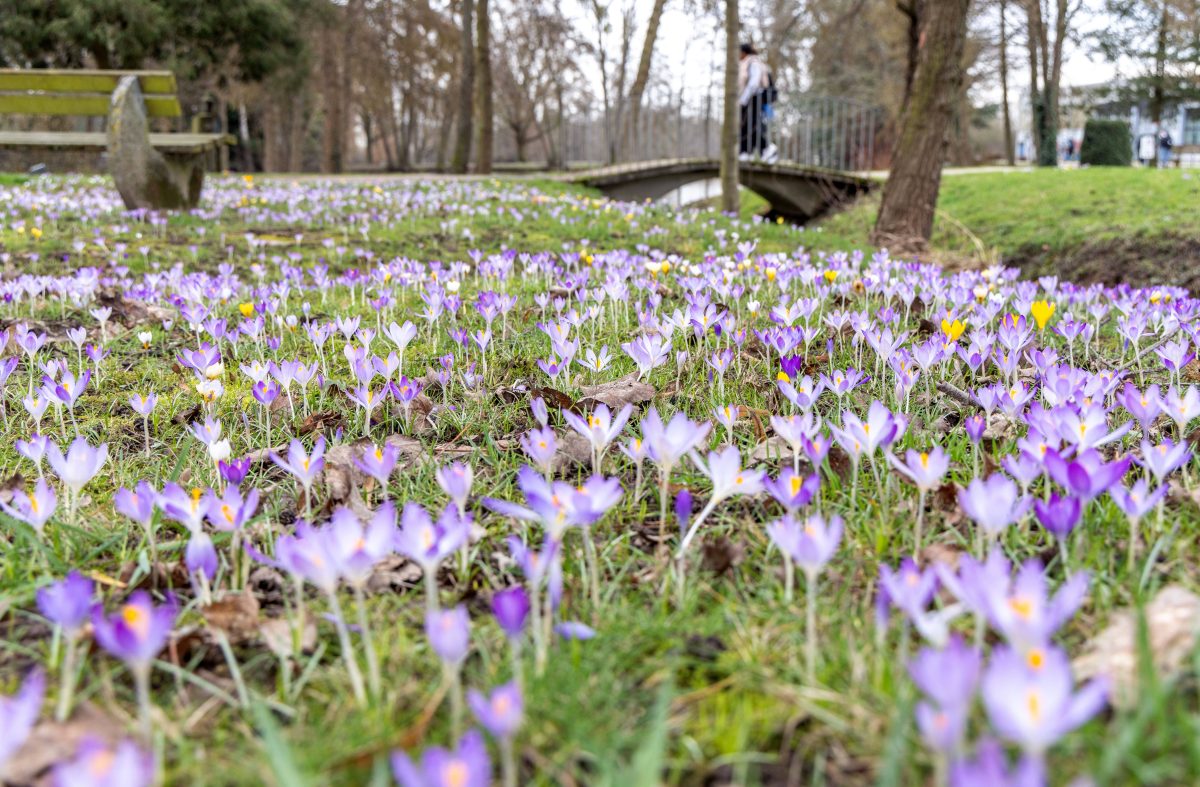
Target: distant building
[1105, 100]
[1180, 120]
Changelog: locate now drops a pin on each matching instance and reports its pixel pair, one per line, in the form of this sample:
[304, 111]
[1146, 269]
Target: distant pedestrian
[1146, 144]
[754, 82]
[1165, 143]
[1070, 149]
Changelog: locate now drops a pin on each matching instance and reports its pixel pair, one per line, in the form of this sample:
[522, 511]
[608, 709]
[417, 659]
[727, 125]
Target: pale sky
[691, 54]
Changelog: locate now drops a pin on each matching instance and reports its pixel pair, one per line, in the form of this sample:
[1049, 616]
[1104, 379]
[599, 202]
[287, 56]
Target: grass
[710, 689]
[1025, 213]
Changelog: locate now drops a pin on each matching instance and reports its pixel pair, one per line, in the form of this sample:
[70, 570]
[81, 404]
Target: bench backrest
[81, 92]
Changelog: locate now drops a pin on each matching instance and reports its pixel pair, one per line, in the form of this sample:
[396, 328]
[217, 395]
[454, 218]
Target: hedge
[1106, 143]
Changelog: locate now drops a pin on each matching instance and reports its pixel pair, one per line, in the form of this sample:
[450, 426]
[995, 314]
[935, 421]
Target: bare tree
[730, 198]
[484, 118]
[466, 88]
[910, 195]
[1009, 152]
[533, 61]
[640, 80]
[1045, 67]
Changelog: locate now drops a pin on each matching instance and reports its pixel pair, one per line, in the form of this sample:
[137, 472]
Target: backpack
[770, 92]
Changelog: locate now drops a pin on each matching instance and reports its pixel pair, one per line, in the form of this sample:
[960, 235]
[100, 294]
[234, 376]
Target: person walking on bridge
[753, 81]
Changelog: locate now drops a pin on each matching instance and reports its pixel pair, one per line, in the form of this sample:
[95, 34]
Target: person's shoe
[771, 154]
[743, 157]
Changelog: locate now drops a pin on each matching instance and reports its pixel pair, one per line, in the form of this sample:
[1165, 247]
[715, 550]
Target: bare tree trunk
[297, 131]
[244, 138]
[640, 80]
[915, 11]
[1157, 99]
[730, 199]
[466, 90]
[331, 138]
[1009, 153]
[1032, 11]
[484, 119]
[910, 194]
[448, 118]
[223, 128]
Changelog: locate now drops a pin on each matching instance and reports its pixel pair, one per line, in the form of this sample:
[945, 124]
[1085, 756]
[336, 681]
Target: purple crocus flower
[975, 425]
[265, 391]
[1138, 500]
[863, 438]
[1086, 476]
[989, 768]
[425, 542]
[925, 468]
[304, 466]
[511, 608]
[378, 462]
[792, 490]
[449, 632]
[138, 631]
[137, 504]
[1032, 701]
[601, 427]
[96, 764]
[667, 444]
[200, 555]
[234, 471]
[908, 588]
[810, 543]
[1059, 515]
[947, 677]
[540, 445]
[975, 580]
[573, 629]
[1144, 407]
[68, 602]
[1025, 612]
[33, 449]
[357, 546]
[80, 465]
[455, 479]
[230, 511]
[33, 508]
[186, 508]
[466, 766]
[143, 404]
[993, 504]
[1165, 458]
[19, 712]
[500, 712]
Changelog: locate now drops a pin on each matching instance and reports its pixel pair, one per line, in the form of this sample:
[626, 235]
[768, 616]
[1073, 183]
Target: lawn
[1099, 223]
[730, 600]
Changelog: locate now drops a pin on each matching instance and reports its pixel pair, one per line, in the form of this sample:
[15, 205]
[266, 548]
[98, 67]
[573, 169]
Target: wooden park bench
[158, 171]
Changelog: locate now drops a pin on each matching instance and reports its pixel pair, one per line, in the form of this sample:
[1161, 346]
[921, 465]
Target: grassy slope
[731, 659]
[1017, 212]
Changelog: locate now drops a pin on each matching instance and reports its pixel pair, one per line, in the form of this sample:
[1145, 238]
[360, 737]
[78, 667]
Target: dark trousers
[753, 138]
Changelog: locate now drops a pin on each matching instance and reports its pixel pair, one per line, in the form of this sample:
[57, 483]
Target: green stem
[373, 677]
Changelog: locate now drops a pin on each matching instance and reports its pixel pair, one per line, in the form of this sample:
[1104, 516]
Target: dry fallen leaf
[12, 485]
[1172, 623]
[236, 614]
[277, 635]
[616, 393]
[341, 475]
[393, 575]
[772, 449]
[52, 742]
[573, 450]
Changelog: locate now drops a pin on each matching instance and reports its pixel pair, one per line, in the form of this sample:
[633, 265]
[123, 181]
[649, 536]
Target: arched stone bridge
[796, 192]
